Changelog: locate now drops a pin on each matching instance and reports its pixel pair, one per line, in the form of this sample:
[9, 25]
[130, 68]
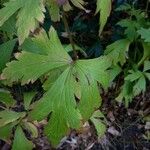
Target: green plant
[132, 53]
[71, 85]
[17, 122]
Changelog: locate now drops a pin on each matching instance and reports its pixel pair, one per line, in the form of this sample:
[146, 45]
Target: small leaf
[78, 3]
[145, 34]
[28, 98]
[7, 116]
[146, 66]
[140, 86]
[131, 27]
[98, 123]
[118, 50]
[31, 128]
[126, 93]
[146, 55]
[104, 7]
[134, 75]
[6, 98]
[20, 141]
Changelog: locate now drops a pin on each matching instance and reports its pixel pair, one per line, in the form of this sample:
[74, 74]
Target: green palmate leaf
[118, 50]
[99, 124]
[6, 98]
[20, 141]
[104, 7]
[29, 14]
[7, 117]
[5, 52]
[59, 100]
[145, 34]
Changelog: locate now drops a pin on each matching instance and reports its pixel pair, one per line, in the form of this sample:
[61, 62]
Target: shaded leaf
[5, 53]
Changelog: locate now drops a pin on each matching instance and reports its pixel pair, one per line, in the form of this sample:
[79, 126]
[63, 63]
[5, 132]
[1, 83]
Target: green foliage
[104, 7]
[71, 85]
[29, 14]
[54, 7]
[59, 98]
[98, 119]
[20, 141]
[11, 120]
[118, 51]
[124, 52]
[145, 34]
[5, 53]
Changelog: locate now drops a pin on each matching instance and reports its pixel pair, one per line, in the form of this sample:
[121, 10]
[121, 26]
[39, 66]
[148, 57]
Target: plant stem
[69, 34]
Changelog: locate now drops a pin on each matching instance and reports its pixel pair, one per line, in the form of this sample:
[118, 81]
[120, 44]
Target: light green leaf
[147, 75]
[94, 69]
[140, 86]
[146, 66]
[99, 124]
[78, 3]
[31, 128]
[131, 27]
[104, 7]
[118, 50]
[7, 117]
[5, 53]
[59, 101]
[90, 100]
[62, 105]
[6, 98]
[20, 141]
[29, 14]
[54, 10]
[134, 75]
[145, 34]
[28, 96]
